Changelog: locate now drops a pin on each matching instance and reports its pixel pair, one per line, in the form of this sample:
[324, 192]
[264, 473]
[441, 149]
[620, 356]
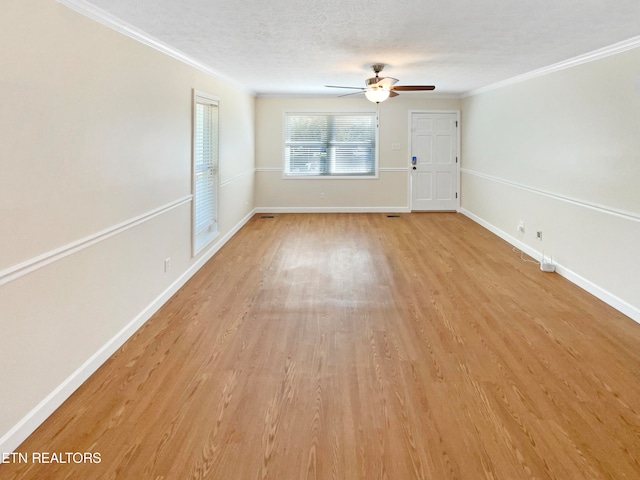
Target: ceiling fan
[378, 89]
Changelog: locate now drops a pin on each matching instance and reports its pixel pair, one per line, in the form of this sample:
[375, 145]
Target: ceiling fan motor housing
[377, 68]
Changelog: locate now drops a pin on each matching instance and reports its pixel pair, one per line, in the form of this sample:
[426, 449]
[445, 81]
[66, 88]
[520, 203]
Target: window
[205, 170]
[330, 144]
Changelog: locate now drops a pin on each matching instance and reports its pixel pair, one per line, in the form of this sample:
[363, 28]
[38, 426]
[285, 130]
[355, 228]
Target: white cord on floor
[522, 256]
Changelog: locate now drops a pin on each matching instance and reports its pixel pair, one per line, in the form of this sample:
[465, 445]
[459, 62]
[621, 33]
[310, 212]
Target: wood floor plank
[358, 346]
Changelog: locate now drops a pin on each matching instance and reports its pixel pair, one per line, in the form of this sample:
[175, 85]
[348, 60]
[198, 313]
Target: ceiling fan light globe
[377, 95]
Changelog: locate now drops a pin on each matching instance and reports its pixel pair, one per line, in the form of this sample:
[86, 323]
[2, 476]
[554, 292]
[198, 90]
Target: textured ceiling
[298, 46]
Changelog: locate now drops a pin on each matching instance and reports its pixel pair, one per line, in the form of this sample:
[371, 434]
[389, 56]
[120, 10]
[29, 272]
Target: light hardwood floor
[358, 346]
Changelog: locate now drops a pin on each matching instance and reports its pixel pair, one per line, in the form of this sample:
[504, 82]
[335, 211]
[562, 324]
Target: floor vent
[393, 216]
[267, 216]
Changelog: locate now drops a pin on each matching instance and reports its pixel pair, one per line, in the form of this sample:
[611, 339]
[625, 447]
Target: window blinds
[330, 144]
[205, 171]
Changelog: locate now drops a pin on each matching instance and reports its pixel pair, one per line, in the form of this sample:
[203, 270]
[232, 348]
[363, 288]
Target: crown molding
[572, 62]
[92, 12]
[83, 7]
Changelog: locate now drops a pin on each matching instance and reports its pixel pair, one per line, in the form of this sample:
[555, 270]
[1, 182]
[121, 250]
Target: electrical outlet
[167, 264]
[395, 146]
[521, 226]
[322, 195]
[539, 235]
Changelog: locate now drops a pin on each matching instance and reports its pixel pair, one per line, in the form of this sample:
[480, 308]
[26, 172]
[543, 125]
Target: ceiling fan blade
[348, 94]
[393, 94]
[337, 86]
[412, 88]
[387, 81]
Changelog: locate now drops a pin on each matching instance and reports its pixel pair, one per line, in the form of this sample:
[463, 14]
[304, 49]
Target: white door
[434, 161]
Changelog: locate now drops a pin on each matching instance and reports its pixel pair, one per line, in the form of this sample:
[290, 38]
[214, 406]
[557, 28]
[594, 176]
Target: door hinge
[456, 159]
[456, 194]
[456, 123]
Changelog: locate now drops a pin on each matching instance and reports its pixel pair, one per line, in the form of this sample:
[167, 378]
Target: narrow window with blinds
[330, 144]
[205, 170]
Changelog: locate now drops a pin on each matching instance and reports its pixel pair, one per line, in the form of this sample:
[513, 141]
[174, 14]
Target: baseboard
[30, 422]
[333, 210]
[503, 235]
[607, 297]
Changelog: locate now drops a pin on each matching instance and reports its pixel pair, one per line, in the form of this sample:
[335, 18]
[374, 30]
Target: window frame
[371, 113]
[199, 240]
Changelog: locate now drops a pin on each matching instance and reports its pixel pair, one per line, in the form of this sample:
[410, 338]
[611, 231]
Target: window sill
[330, 177]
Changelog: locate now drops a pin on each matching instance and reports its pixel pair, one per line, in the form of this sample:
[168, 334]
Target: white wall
[387, 193]
[95, 184]
[562, 152]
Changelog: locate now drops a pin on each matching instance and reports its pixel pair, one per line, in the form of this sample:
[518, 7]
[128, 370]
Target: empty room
[335, 240]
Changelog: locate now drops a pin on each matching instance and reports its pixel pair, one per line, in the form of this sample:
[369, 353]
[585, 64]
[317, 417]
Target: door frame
[410, 136]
